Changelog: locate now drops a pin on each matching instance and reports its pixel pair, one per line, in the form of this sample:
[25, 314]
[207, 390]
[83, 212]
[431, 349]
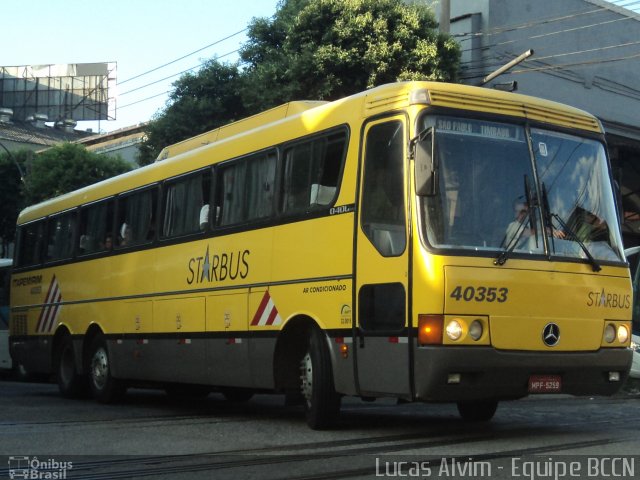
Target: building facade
[585, 53]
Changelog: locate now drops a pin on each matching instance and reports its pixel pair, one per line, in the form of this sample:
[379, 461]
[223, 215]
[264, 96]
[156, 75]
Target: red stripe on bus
[261, 308]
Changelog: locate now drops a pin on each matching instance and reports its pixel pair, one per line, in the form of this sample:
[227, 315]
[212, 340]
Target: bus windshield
[501, 186]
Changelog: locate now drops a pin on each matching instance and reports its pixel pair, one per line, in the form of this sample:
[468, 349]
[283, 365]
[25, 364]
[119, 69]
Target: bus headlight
[609, 333]
[623, 334]
[454, 330]
[475, 330]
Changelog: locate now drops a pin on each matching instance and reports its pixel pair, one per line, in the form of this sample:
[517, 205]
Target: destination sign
[478, 128]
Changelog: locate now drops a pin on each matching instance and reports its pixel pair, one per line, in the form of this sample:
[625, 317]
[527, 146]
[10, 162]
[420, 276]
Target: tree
[65, 168]
[309, 50]
[333, 48]
[11, 200]
[199, 103]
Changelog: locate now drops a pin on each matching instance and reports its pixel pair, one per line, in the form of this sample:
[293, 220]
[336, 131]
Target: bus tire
[70, 383]
[477, 411]
[104, 387]
[322, 403]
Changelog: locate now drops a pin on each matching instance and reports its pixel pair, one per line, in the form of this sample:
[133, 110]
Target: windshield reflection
[488, 198]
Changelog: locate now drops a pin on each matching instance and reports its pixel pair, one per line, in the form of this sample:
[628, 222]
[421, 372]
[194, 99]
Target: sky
[138, 35]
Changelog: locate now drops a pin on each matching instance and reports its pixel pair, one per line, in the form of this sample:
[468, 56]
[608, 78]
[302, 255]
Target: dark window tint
[30, 238]
[311, 172]
[136, 218]
[96, 225]
[382, 207]
[382, 307]
[186, 205]
[245, 189]
[60, 236]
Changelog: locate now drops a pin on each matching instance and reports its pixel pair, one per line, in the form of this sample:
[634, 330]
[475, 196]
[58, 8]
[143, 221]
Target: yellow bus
[424, 241]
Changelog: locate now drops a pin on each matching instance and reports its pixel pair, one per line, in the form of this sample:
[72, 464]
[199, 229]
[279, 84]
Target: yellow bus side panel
[179, 315]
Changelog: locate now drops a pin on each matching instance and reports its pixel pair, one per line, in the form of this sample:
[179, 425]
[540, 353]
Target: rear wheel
[322, 403]
[478, 411]
[70, 383]
[104, 387]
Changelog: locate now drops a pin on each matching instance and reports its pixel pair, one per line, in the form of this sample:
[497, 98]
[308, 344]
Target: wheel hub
[100, 368]
[306, 377]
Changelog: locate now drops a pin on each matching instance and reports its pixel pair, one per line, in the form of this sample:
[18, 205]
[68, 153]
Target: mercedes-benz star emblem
[551, 334]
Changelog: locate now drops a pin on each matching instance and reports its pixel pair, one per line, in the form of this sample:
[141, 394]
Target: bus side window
[184, 201]
[60, 236]
[30, 240]
[96, 222]
[382, 194]
[136, 218]
[311, 172]
[245, 189]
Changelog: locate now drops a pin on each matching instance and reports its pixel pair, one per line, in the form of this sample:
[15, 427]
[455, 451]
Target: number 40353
[480, 294]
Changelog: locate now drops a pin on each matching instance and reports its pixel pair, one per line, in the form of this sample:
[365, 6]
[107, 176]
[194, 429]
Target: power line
[558, 32]
[175, 74]
[166, 78]
[482, 65]
[143, 100]
[564, 65]
[184, 56]
[520, 26]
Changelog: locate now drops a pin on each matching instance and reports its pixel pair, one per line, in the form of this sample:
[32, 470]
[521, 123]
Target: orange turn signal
[430, 329]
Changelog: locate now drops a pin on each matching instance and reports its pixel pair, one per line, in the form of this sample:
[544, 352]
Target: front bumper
[487, 373]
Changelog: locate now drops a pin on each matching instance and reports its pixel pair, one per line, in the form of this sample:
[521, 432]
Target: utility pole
[445, 16]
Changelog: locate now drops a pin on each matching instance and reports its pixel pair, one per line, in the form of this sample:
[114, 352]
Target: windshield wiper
[510, 243]
[571, 234]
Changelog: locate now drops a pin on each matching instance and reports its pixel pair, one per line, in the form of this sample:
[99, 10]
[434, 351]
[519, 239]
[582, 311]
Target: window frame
[155, 190]
[73, 212]
[162, 211]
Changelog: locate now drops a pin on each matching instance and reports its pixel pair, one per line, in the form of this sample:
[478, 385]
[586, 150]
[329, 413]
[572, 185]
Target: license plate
[545, 384]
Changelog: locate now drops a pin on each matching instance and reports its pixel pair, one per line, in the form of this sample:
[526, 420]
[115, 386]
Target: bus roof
[231, 129]
[300, 118]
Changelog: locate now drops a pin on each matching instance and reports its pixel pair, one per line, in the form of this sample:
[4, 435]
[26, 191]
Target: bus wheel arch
[66, 366]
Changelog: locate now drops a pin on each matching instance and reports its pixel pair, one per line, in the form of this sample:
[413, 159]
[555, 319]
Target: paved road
[149, 435]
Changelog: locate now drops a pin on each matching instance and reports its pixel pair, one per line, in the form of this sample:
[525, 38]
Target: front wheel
[322, 403]
[104, 387]
[477, 411]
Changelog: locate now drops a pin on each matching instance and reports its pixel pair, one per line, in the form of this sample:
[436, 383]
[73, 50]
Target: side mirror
[426, 165]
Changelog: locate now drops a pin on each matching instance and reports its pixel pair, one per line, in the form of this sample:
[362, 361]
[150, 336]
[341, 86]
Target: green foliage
[11, 201]
[309, 50]
[65, 168]
[198, 103]
[334, 48]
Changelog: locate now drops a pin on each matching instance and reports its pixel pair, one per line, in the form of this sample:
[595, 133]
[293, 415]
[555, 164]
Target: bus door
[382, 263]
